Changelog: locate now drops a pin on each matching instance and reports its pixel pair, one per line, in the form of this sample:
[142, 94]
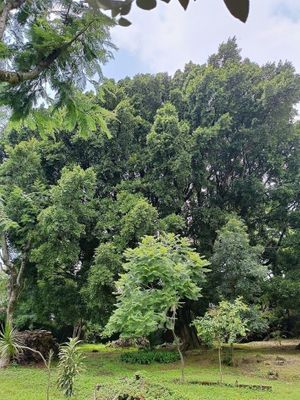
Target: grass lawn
[254, 361]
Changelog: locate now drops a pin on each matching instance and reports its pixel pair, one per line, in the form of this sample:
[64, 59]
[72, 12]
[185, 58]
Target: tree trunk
[185, 331]
[15, 276]
[12, 299]
[220, 363]
[77, 329]
[231, 353]
[182, 364]
[4, 14]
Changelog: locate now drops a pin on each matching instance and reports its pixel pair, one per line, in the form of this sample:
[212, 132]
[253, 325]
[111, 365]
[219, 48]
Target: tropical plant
[69, 366]
[11, 346]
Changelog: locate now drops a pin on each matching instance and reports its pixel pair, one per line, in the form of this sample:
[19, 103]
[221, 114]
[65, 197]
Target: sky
[166, 38]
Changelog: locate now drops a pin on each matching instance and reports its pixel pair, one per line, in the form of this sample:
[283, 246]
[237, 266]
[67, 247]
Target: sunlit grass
[102, 365]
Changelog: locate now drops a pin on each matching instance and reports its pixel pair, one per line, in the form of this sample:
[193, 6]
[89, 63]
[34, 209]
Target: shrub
[134, 389]
[149, 357]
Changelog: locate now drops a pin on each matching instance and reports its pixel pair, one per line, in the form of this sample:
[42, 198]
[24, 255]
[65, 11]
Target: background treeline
[211, 153]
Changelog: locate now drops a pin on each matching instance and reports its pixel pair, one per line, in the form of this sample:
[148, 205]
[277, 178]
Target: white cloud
[168, 37]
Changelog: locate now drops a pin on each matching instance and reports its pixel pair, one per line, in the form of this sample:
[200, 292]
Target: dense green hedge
[149, 357]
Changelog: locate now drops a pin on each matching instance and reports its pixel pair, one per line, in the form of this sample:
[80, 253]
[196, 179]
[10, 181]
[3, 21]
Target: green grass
[103, 366]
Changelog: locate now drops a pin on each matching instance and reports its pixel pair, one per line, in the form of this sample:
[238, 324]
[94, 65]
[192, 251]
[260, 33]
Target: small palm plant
[69, 366]
[10, 344]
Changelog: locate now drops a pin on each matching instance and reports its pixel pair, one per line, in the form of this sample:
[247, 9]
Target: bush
[134, 389]
[122, 343]
[149, 357]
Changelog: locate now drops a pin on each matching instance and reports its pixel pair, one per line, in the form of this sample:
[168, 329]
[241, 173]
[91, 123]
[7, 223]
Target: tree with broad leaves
[160, 275]
[238, 8]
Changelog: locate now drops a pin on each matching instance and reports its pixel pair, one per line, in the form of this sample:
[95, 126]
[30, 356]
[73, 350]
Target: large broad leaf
[126, 9]
[184, 3]
[238, 8]
[124, 22]
[146, 4]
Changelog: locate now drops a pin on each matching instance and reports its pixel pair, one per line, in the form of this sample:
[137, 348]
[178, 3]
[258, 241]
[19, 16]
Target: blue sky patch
[292, 12]
[124, 64]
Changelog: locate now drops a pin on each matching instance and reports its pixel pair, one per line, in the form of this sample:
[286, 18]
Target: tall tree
[61, 228]
[236, 266]
[22, 190]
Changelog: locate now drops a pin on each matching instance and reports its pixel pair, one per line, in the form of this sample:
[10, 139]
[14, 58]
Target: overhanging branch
[4, 13]
[16, 77]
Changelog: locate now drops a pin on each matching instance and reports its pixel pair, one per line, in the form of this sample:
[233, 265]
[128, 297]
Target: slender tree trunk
[220, 363]
[15, 276]
[3, 19]
[77, 329]
[182, 363]
[231, 354]
[177, 343]
[12, 299]
[49, 375]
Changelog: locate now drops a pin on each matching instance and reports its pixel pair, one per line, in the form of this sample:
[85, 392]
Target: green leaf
[124, 22]
[238, 8]
[126, 9]
[146, 4]
[115, 12]
[184, 3]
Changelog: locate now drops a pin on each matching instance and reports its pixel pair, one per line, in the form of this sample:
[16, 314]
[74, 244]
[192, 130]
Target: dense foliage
[158, 276]
[49, 48]
[211, 153]
[145, 357]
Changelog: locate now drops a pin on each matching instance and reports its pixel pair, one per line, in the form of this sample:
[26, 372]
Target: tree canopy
[211, 154]
[50, 49]
[159, 274]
